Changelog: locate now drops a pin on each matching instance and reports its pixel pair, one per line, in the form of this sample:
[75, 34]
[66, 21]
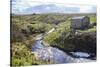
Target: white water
[80, 54]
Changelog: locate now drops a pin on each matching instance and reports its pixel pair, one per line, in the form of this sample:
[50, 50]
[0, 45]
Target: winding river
[51, 54]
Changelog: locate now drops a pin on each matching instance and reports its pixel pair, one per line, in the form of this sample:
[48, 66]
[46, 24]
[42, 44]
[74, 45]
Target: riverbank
[56, 55]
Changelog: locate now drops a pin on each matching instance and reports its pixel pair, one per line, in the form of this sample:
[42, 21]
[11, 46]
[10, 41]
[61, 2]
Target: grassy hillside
[24, 29]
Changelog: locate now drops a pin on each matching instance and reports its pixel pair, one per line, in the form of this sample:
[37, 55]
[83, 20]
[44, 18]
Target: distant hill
[69, 14]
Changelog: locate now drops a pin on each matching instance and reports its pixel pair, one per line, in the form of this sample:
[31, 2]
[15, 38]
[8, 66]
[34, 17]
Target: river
[55, 55]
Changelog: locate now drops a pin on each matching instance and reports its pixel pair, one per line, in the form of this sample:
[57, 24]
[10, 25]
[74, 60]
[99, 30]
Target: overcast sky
[31, 6]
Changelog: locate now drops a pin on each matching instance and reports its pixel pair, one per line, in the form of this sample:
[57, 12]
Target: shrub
[21, 55]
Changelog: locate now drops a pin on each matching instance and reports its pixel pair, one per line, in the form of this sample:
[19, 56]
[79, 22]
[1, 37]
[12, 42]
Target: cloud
[31, 6]
[87, 9]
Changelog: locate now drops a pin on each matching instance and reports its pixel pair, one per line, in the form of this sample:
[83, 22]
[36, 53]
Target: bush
[21, 55]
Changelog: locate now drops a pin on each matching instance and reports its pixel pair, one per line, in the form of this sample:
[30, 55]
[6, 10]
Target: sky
[31, 6]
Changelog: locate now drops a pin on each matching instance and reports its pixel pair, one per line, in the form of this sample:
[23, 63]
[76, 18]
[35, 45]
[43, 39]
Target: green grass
[88, 30]
[93, 19]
